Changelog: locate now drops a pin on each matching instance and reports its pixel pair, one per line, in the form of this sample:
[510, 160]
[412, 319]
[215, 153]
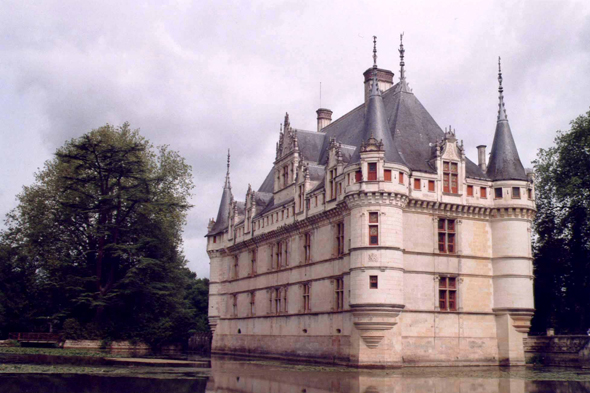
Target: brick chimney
[324, 118]
[384, 79]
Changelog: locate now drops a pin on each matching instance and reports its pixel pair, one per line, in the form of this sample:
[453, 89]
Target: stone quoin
[375, 242]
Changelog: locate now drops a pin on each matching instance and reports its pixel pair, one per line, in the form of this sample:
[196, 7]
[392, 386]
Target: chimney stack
[324, 118]
[481, 157]
[384, 80]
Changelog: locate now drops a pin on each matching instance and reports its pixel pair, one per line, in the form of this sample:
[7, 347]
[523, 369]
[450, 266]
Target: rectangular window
[252, 303]
[447, 293]
[234, 309]
[300, 198]
[307, 248]
[483, 192]
[387, 175]
[530, 193]
[373, 282]
[340, 238]
[277, 301]
[236, 266]
[450, 177]
[214, 239]
[285, 300]
[372, 171]
[306, 299]
[401, 178]
[316, 201]
[515, 192]
[253, 261]
[470, 191]
[374, 228]
[332, 184]
[285, 175]
[279, 255]
[340, 188]
[339, 294]
[446, 236]
[358, 175]
[498, 193]
[417, 184]
[431, 185]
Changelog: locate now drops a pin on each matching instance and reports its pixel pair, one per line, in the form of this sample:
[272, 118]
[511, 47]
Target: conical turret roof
[504, 161]
[376, 126]
[222, 221]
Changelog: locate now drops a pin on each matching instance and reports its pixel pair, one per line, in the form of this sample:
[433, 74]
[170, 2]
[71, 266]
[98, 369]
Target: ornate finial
[281, 128]
[227, 183]
[501, 108]
[375, 51]
[401, 50]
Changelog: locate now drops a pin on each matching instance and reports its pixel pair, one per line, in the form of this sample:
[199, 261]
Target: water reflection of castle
[246, 377]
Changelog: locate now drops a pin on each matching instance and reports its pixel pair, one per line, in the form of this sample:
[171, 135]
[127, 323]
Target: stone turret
[511, 222]
[376, 241]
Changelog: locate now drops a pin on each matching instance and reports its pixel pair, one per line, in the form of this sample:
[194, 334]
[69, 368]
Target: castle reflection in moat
[254, 376]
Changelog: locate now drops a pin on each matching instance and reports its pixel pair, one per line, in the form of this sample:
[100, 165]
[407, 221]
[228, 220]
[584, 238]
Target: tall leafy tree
[101, 230]
[562, 243]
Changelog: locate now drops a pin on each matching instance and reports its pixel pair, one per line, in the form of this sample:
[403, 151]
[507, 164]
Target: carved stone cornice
[363, 198]
[288, 230]
[521, 317]
[375, 316]
[449, 209]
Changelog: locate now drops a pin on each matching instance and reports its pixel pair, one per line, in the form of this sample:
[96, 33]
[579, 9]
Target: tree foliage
[97, 240]
[562, 243]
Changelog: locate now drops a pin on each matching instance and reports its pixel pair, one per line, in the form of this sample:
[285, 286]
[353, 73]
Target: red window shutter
[372, 171]
[417, 184]
[484, 192]
[431, 185]
[387, 175]
[454, 184]
[357, 176]
[470, 191]
[446, 185]
[401, 178]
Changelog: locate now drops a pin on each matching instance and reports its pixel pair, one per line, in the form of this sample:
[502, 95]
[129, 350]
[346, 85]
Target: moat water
[264, 376]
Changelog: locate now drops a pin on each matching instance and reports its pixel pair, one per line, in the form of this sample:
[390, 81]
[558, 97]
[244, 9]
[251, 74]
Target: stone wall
[568, 351]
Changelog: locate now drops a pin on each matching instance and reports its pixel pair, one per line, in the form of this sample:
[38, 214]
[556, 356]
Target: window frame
[450, 177]
[306, 293]
[418, 182]
[374, 282]
[340, 238]
[372, 174]
[446, 292]
[307, 248]
[483, 192]
[496, 189]
[387, 175]
[446, 234]
[516, 195]
[339, 294]
[433, 184]
[373, 228]
[470, 190]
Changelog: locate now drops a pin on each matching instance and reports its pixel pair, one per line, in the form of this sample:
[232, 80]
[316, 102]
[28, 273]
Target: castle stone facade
[375, 242]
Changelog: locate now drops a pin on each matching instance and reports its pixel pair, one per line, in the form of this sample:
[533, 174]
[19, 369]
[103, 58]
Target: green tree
[562, 224]
[101, 228]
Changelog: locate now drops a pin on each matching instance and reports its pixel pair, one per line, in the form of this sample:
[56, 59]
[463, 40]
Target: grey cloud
[206, 76]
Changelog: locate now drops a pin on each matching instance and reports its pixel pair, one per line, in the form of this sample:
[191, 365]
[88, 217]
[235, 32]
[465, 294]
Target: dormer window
[450, 177]
[372, 171]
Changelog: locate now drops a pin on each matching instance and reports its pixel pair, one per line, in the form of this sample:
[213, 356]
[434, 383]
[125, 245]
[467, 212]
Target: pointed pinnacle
[401, 50]
[375, 51]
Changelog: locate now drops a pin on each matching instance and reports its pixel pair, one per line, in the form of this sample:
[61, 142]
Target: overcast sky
[204, 76]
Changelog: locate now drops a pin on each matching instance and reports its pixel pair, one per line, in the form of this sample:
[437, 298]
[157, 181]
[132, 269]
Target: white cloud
[206, 76]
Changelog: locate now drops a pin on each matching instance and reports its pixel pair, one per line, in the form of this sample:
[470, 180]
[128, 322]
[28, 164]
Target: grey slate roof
[376, 126]
[504, 161]
[222, 220]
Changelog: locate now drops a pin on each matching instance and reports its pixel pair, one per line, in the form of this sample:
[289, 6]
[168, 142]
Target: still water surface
[237, 376]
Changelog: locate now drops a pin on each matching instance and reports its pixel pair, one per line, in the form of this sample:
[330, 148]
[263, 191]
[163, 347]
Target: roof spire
[402, 75]
[227, 183]
[504, 163]
[374, 51]
[501, 108]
